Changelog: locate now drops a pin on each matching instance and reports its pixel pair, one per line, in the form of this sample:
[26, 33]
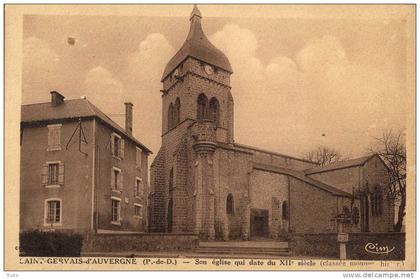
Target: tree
[391, 148]
[324, 156]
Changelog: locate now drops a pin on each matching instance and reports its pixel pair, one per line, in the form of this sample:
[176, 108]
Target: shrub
[50, 244]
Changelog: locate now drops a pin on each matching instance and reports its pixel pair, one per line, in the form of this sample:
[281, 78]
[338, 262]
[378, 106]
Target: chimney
[129, 117]
[56, 98]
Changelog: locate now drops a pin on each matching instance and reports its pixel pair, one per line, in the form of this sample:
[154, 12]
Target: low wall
[323, 245]
[361, 246]
[117, 242]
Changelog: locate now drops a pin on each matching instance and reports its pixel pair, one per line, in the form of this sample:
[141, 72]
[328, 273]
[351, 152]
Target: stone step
[250, 248]
[244, 248]
[244, 244]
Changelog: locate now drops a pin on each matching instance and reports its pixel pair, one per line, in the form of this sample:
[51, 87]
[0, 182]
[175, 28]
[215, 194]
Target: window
[138, 210]
[52, 212]
[53, 174]
[171, 116]
[202, 107]
[285, 210]
[116, 179]
[229, 205]
[138, 188]
[376, 201]
[139, 153]
[117, 146]
[171, 181]
[54, 137]
[214, 111]
[115, 210]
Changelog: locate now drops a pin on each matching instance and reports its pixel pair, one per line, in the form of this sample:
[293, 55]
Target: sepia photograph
[210, 137]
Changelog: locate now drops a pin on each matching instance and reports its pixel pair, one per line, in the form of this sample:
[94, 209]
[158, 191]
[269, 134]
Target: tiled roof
[302, 177]
[340, 165]
[71, 109]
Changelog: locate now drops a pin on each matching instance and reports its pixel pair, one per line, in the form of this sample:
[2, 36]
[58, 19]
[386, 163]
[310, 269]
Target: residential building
[81, 171]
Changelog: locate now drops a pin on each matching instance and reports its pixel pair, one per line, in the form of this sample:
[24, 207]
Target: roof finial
[195, 12]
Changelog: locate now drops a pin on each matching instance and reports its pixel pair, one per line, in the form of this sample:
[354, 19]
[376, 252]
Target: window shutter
[113, 178]
[50, 135]
[122, 149]
[112, 145]
[138, 157]
[44, 178]
[120, 181]
[61, 174]
[57, 136]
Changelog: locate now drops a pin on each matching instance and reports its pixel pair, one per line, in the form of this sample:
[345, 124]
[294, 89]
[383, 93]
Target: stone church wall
[268, 191]
[311, 209]
[231, 177]
[157, 181]
[375, 173]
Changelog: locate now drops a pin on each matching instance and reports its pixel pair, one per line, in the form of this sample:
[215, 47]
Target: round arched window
[214, 110]
[229, 205]
[202, 107]
[285, 210]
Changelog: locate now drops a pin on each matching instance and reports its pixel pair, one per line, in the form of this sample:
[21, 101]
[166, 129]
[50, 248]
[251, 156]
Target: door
[170, 216]
[259, 223]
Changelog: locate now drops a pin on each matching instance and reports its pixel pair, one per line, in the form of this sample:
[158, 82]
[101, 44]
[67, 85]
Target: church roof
[199, 47]
[340, 165]
[302, 177]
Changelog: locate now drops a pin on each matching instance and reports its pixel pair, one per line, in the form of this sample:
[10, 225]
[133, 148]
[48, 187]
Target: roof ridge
[49, 102]
[95, 111]
[271, 152]
[340, 164]
[302, 176]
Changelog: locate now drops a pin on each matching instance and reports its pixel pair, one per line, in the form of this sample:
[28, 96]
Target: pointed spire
[195, 12]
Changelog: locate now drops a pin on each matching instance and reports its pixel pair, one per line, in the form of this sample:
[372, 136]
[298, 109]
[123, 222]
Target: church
[203, 182]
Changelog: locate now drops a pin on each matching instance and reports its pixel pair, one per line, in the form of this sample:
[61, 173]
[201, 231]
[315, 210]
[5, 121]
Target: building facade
[203, 182]
[80, 171]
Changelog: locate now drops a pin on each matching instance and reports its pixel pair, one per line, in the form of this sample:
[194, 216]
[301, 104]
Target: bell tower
[196, 84]
[197, 116]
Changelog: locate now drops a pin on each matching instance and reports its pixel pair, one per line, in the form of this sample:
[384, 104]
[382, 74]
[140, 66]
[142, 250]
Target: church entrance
[259, 223]
[170, 216]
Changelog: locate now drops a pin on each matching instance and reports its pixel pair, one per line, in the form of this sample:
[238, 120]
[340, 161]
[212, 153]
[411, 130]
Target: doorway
[170, 216]
[259, 223]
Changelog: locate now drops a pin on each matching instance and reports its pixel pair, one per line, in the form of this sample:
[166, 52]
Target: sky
[304, 76]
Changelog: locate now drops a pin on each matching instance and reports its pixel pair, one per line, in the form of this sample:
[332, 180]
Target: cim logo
[374, 248]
